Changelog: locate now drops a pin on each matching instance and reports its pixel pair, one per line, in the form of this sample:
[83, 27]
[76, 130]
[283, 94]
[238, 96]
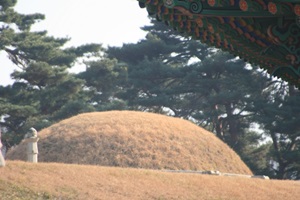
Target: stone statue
[2, 161]
[32, 149]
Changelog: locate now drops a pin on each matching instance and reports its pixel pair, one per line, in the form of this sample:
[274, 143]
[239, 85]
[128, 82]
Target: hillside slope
[134, 139]
[20, 180]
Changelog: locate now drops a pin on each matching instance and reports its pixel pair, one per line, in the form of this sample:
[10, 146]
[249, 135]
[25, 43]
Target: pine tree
[44, 91]
[279, 117]
[104, 78]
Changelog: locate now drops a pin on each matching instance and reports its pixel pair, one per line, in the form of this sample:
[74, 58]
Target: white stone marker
[2, 161]
[32, 149]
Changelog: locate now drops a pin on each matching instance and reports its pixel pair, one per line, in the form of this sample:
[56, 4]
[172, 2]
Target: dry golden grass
[134, 139]
[20, 180]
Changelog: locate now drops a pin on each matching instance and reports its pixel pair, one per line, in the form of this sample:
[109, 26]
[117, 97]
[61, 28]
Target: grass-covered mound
[133, 139]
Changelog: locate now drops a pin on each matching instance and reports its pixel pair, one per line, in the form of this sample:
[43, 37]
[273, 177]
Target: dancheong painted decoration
[262, 32]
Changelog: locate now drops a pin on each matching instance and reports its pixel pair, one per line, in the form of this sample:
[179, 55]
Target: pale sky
[111, 22]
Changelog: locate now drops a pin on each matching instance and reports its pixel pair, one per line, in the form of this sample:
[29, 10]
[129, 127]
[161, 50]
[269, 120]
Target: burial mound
[133, 139]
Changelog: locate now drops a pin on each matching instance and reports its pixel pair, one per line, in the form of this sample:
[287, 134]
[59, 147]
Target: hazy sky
[111, 22]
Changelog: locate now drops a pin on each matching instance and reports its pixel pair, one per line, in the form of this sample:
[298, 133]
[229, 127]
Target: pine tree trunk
[232, 124]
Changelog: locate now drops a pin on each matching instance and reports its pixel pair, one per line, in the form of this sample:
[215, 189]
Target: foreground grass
[20, 180]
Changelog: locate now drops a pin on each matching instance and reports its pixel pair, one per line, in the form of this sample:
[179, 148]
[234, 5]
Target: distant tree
[43, 91]
[104, 78]
[279, 115]
[41, 95]
[154, 62]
